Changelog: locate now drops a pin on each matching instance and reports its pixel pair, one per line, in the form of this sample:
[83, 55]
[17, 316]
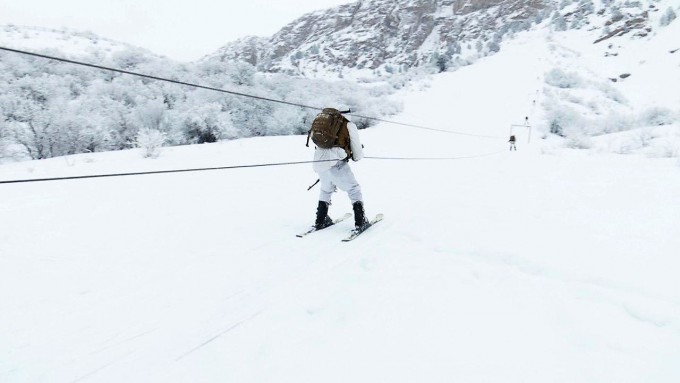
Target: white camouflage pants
[339, 176]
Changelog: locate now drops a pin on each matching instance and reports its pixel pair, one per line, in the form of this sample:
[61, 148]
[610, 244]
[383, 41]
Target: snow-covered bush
[643, 137]
[561, 79]
[559, 22]
[587, 6]
[283, 119]
[616, 122]
[563, 120]
[612, 93]
[128, 59]
[52, 109]
[666, 149]
[204, 123]
[150, 141]
[667, 17]
[241, 73]
[4, 139]
[493, 46]
[658, 116]
[579, 141]
[152, 114]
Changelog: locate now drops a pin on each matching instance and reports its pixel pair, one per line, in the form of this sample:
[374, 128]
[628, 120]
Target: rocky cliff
[388, 36]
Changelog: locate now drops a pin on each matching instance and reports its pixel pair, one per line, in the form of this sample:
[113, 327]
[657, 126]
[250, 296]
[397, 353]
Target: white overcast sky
[184, 30]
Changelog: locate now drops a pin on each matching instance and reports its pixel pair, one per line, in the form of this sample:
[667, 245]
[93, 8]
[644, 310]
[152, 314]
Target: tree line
[50, 109]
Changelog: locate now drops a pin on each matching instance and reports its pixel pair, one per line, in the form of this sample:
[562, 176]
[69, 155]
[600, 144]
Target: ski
[355, 233]
[313, 229]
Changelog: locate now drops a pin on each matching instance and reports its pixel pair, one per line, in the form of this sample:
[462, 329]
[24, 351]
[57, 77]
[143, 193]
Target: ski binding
[335, 221]
[355, 233]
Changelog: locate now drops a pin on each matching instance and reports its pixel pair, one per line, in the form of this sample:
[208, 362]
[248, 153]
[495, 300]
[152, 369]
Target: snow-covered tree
[150, 141]
[561, 79]
[559, 22]
[493, 46]
[51, 109]
[667, 17]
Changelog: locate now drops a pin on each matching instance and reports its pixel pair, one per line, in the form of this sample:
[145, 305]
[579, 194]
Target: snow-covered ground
[541, 265]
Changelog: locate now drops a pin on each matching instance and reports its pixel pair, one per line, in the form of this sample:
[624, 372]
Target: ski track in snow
[235, 325]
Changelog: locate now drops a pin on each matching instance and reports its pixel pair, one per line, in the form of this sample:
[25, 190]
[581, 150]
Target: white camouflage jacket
[339, 153]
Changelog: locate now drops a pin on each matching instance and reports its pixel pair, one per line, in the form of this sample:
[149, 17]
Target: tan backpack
[329, 130]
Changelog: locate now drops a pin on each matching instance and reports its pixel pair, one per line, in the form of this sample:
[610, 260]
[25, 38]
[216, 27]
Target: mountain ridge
[383, 37]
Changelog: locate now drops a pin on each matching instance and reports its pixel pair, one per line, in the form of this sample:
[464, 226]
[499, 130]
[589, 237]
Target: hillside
[383, 38]
[69, 43]
[51, 109]
[613, 68]
[548, 264]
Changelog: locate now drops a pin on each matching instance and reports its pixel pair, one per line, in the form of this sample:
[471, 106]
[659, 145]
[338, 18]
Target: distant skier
[512, 143]
[336, 137]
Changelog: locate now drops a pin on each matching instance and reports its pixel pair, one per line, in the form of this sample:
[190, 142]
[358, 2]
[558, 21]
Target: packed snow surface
[541, 265]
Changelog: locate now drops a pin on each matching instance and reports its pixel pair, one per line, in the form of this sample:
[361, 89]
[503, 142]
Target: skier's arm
[355, 142]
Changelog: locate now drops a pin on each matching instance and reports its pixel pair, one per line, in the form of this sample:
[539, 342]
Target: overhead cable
[226, 168]
[160, 172]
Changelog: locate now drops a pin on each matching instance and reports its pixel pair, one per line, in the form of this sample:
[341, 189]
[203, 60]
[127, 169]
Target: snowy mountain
[381, 37]
[612, 66]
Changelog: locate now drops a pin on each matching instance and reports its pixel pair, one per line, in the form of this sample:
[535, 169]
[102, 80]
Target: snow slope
[541, 265]
[69, 43]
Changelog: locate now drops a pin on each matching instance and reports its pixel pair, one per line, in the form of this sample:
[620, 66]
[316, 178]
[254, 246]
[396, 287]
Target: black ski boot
[322, 218]
[360, 221]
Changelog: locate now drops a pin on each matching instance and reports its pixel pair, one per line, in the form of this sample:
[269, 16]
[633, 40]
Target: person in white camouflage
[335, 175]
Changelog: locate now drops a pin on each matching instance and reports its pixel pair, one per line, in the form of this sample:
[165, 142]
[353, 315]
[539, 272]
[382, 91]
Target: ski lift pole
[529, 138]
[522, 126]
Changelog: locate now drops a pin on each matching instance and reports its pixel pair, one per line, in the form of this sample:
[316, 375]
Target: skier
[512, 143]
[338, 174]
